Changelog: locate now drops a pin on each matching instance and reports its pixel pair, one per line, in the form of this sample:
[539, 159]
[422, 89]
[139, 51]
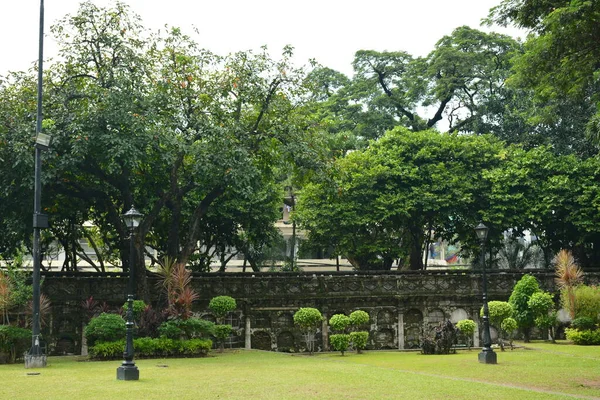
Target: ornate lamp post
[487, 355]
[36, 358]
[128, 371]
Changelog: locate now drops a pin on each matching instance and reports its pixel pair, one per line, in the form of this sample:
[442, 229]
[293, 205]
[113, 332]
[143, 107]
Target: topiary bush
[105, 328]
[359, 340]
[509, 327]
[467, 328]
[152, 347]
[221, 333]
[308, 319]
[358, 318]
[138, 309]
[186, 329]
[339, 322]
[340, 342]
[221, 306]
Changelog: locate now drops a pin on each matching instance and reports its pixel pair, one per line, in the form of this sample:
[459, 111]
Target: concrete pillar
[476, 333]
[401, 331]
[248, 333]
[325, 332]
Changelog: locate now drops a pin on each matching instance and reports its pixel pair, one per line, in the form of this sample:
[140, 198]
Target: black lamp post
[487, 355]
[128, 371]
[36, 358]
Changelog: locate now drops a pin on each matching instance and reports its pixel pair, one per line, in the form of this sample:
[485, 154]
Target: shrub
[467, 328]
[222, 332]
[14, 342]
[586, 337]
[542, 306]
[186, 329]
[152, 347]
[358, 318]
[221, 306]
[519, 300]
[587, 301]
[438, 339]
[509, 326]
[308, 319]
[583, 324]
[359, 340]
[138, 308]
[340, 342]
[105, 328]
[339, 322]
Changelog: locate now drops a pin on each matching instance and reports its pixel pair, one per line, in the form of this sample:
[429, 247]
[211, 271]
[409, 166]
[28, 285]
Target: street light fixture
[35, 357]
[487, 354]
[128, 371]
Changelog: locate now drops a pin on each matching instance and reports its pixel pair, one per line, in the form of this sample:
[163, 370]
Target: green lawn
[543, 371]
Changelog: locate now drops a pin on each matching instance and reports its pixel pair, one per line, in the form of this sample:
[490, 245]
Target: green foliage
[105, 328]
[586, 337]
[587, 301]
[467, 328]
[222, 332]
[584, 324]
[359, 340]
[138, 308]
[186, 329]
[358, 318]
[308, 318]
[14, 341]
[498, 312]
[152, 347]
[339, 322]
[222, 305]
[519, 300]
[542, 306]
[340, 342]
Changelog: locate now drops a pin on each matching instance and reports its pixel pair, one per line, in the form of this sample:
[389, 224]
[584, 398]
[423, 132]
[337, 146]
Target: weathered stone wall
[398, 303]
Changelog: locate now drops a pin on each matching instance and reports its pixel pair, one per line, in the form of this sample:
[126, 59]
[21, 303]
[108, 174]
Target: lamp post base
[488, 356]
[35, 361]
[128, 373]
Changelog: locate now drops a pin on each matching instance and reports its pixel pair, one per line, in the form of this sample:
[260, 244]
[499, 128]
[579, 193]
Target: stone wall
[398, 303]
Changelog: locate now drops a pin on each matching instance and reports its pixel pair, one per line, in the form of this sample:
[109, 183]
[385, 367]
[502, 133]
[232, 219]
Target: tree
[221, 306]
[560, 57]
[308, 320]
[519, 300]
[464, 72]
[542, 307]
[384, 202]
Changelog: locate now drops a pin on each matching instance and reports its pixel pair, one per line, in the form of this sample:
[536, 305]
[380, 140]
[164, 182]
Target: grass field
[542, 371]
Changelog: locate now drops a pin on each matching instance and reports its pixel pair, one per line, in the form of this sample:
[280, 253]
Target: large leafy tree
[384, 203]
[154, 121]
[561, 53]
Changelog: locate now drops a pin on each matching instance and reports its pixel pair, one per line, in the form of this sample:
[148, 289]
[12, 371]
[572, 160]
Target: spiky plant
[567, 276]
[5, 297]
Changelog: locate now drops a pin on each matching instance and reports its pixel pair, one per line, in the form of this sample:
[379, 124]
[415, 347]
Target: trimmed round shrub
[583, 324]
[339, 322]
[222, 332]
[467, 328]
[222, 305]
[105, 328]
[307, 318]
[340, 342]
[138, 308]
[359, 340]
[359, 317]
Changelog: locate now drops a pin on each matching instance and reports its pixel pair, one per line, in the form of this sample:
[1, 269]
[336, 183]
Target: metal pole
[487, 355]
[35, 357]
[128, 371]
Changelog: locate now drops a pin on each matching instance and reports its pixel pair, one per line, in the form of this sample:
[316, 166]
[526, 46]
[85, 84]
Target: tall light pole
[128, 371]
[487, 354]
[36, 358]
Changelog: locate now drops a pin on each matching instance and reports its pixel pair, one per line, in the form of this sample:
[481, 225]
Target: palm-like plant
[5, 297]
[567, 276]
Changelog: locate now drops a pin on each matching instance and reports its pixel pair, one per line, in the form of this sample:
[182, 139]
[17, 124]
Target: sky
[330, 31]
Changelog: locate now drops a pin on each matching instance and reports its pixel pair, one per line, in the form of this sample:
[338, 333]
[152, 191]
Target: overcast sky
[330, 31]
